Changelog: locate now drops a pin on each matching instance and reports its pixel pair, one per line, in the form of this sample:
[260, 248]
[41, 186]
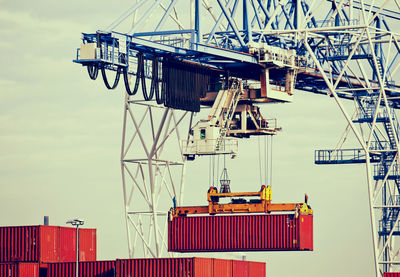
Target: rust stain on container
[86, 269]
[283, 232]
[19, 270]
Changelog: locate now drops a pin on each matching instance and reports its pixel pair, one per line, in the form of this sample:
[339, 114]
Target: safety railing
[339, 156]
[208, 146]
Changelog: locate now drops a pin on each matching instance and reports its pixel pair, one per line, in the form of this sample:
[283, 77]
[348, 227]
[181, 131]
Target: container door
[203, 267]
[240, 269]
[87, 244]
[306, 232]
[67, 244]
[49, 244]
[222, 268]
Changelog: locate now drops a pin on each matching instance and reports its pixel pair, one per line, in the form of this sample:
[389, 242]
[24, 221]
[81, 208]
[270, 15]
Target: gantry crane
[346, 49]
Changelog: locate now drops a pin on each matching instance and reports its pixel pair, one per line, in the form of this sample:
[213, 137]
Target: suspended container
[86, 269]
[45, 244]
[19, 270]
[283, 232]
[188, 267]
[391, 274]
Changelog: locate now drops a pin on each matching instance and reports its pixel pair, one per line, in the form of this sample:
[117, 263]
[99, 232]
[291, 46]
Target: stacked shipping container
[46, 244]
[391, 274]
[86, 269]
[284, 232]
[163, 267]
[19, 270]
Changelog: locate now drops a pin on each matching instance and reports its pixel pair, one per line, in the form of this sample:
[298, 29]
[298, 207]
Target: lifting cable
[93, 71]
[116, 81]
[259, 160]
[265, 162]
[270, 162]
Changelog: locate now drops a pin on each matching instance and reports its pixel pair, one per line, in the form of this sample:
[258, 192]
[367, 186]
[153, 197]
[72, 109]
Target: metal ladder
[236, 90]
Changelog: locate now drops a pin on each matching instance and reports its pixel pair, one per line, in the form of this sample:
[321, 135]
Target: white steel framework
[153, 169]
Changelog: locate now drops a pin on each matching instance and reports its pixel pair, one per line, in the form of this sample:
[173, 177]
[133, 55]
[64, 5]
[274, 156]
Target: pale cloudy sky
[60, 144]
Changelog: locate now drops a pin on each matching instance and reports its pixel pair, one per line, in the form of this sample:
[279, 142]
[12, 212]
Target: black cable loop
[116, 81]
[146, 96]
[93, 71]
[126, 81]
[154, 79]
[159, 98]
[164, 83]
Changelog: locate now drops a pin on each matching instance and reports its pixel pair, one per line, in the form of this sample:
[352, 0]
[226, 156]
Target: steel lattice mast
[348, 51]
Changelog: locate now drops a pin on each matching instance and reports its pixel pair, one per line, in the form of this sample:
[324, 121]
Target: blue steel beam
[232, 24]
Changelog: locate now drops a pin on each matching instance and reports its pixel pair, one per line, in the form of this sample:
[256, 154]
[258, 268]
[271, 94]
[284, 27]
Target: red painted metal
[182, 267]
[188, 267]
[28, 244]
[67, 244]
[86, 269]
[223, 268]
[203, 267]
[19, 270]
[283, 232]
[87, 245]
[49, 244]
[45, 244]
[240, 268]
[257, 269]
[391, 274]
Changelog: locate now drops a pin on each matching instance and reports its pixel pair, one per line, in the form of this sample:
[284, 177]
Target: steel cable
[116, 81]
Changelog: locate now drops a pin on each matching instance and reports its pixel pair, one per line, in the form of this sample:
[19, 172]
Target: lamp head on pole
[76, 222]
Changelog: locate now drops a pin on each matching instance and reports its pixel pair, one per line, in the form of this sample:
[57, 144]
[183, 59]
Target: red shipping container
[257, 269]
[391, 274]
[223, 268]
[283, 232]
[87, 244]
[45, 244]
[240, 269]
[29, 244]
[19, 270]
[67, 244]
[187, 267]
[86, 269]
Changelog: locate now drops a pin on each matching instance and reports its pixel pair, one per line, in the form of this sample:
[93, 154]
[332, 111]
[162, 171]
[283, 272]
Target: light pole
[77, 223]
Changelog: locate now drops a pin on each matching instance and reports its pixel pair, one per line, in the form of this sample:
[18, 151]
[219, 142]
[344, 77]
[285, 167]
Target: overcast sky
[60, 141]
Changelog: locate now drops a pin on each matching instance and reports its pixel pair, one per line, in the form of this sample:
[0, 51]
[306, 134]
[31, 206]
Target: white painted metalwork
[153, 169]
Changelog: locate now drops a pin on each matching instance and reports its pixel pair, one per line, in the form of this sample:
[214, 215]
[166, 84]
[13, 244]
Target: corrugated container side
[240, 269]
[239, 233]
[49, 244]
[257, 269]
[182, 267]
[203, 267]
[391, 274]
[86, 269]
[19, 243]
[306, 232]
[45, 244]
[19, 270]
[222, 268]
[67, 244]
[87, 245]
